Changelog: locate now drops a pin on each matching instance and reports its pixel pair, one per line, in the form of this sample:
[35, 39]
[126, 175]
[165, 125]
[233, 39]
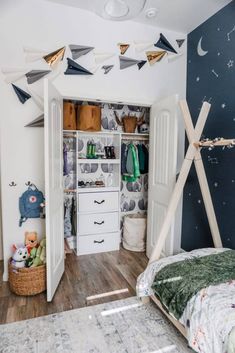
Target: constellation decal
[229, 33]
[215, 73]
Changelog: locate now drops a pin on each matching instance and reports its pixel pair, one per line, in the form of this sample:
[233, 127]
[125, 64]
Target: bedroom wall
[211, 78]
[44, 25]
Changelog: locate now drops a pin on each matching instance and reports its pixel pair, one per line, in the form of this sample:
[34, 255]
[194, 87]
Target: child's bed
[196, 290]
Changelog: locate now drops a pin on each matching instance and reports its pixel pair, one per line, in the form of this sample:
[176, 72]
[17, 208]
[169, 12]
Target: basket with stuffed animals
[27, 267]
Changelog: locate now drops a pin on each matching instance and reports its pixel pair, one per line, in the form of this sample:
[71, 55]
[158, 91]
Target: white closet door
[162, 168]
[53, 129]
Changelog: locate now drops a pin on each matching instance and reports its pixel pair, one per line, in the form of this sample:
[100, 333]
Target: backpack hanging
[30, 204]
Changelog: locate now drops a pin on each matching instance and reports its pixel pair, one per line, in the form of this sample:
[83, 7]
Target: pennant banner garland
[38, 100]
[79, 50]
[155, 56]
[141, 64]
[180, 42]
[21, 94]
[32, 54]
[141, 46]
[172, 57]
[163, 43]
[76, 69]
[107, 68]
[35, 75]
[38, 122]
[55, 56]
[123, 47]
[126, 62]
[13, 74]
[101, 57]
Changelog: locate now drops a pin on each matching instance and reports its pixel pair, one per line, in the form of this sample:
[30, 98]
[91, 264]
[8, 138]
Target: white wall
[45, 25]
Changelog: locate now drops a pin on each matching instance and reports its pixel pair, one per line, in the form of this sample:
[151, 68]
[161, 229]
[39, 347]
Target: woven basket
[27, 281]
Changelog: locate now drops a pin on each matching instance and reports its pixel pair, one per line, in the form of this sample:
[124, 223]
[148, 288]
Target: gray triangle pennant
[79, 50]
[38, 122]
[107, 68]
[126, 62]
[35, 75]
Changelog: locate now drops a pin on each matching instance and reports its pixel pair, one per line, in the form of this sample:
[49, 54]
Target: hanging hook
[28, 183]
[12, 184]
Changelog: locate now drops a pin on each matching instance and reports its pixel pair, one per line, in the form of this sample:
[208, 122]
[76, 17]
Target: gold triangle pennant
[55, 56]
[123, 47]
[155, 56]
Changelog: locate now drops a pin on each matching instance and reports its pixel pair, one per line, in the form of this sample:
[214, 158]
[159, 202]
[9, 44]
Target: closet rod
[69, 191]
[139, 138]
[67, 136]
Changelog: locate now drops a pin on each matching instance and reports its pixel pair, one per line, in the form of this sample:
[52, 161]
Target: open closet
[90, 188]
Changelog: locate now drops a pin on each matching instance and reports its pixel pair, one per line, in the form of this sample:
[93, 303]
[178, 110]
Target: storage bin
[70, 122]
[27, 281]
[134, 232]
[89, 118]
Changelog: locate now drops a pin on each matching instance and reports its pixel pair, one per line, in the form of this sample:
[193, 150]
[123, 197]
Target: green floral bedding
[177, 283]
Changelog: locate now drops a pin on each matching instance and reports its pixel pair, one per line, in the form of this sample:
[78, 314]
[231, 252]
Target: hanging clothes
[69, 216]
[65, 159]
[132, 164]
[124, 150]
[143, 158]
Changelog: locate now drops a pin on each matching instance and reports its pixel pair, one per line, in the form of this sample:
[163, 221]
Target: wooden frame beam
[193, 155]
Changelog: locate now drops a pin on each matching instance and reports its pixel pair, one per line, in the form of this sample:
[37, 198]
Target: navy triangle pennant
[141, 64]
[76, 69]
[180, 42]
[163, 43]
[21, 94]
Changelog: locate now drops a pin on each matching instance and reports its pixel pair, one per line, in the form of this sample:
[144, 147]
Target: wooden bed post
[193, 155]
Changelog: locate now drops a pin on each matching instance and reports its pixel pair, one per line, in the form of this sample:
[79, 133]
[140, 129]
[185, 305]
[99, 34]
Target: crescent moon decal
[200, 51]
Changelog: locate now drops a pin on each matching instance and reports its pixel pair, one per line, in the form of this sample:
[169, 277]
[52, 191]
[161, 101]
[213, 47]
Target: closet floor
[84, 276]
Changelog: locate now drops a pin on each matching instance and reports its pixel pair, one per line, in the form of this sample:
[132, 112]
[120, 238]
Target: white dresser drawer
[91, 244]
[98, 202]
[98, 223]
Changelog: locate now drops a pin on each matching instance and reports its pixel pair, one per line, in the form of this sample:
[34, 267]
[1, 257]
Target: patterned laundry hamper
[134, 232]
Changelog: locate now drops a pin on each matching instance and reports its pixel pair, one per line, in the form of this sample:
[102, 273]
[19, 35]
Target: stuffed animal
[31, 257]
[40, 257]
[20, 256]
[31, 240]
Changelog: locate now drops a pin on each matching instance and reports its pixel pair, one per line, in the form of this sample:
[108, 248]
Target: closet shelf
[101, 189]
[98, 161]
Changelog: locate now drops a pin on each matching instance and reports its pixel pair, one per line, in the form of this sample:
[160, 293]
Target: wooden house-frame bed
[193, 155]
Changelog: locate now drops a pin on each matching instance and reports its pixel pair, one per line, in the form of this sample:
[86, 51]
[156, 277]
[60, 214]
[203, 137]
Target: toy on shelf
[20, 256]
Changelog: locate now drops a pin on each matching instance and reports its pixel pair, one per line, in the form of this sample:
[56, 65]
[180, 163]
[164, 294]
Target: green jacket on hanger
[132, 165]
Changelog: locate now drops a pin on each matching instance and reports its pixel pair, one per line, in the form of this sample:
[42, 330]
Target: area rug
[123, 326]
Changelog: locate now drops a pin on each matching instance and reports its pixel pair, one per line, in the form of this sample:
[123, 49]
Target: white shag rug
[123, 326]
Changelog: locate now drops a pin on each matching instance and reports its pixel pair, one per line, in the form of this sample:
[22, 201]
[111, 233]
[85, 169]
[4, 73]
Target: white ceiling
[178, 15]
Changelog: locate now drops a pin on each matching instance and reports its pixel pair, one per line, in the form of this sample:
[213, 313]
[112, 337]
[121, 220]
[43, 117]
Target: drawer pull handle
[99, 223]
[99, 242]
[99, 202]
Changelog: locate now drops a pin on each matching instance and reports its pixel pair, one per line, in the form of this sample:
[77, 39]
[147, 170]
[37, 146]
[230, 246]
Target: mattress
[209, 316]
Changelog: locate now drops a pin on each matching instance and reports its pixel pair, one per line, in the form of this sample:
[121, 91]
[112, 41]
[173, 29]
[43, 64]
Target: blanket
[177, 283]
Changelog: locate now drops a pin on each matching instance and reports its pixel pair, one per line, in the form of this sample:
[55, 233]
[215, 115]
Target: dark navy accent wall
[211, 77]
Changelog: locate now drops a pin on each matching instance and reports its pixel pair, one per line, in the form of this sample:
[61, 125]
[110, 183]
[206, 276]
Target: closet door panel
[162, 168]
[53, 137]
[98, 223]
[98, 202]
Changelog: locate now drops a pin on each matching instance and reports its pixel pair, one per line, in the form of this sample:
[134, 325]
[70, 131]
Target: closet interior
[105, 177]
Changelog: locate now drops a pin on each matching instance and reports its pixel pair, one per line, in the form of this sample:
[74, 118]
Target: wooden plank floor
[84, 276]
